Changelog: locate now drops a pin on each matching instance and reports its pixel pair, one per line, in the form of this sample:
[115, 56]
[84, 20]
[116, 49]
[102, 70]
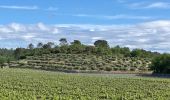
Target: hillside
[83, 62]
[75, 56]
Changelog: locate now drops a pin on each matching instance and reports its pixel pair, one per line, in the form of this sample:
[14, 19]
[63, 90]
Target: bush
[2, 60]
[76, 67]
[115, 68]
[161, 64]
[83, 68]
[92, 68]
[108, 68]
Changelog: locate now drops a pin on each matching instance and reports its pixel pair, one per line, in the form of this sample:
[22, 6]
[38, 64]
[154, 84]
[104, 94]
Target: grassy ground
[28, 84]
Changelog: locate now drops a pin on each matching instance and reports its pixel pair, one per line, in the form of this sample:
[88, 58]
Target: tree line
[100, 47]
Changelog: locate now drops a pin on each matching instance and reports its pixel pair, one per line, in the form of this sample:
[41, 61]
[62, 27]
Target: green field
[17, 84]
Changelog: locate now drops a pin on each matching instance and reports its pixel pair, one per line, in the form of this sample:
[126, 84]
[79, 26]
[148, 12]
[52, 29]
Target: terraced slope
[83, 62]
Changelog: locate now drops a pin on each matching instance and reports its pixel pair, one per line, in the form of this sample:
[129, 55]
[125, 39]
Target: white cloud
[5, 30]
[114, 16]
[127, 17]
[16, 27]
[19, 7]
[42, 27]
[97, 38]
[16, 7]
[52, 9]
[148, 5]
[27, 37]
[55, 31]
[158, 5]
[149, 35]
[92, 30]
[157, 24]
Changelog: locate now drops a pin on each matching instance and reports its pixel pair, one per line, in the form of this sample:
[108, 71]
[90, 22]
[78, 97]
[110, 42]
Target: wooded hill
[77, 56]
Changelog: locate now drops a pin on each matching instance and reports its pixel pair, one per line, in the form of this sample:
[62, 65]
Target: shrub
[76, 67]
[115, 68]
[108, 68]
[101, 68]
[93, 68]
[161, 64]
[83, 68]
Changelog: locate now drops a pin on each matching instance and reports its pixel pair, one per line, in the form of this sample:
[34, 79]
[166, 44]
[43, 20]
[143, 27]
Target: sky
[141, 24]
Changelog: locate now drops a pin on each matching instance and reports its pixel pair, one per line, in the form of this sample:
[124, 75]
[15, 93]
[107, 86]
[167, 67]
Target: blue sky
[133, 23]
[82, 11]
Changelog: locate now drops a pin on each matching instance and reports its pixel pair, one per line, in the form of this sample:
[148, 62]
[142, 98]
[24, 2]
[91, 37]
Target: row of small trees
[6, 55]
[100, 47]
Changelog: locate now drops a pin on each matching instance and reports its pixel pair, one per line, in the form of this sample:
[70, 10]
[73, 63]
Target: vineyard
[17, 84]
[83, 62]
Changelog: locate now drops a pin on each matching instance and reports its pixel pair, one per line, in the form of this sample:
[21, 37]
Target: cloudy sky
[131, 23]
